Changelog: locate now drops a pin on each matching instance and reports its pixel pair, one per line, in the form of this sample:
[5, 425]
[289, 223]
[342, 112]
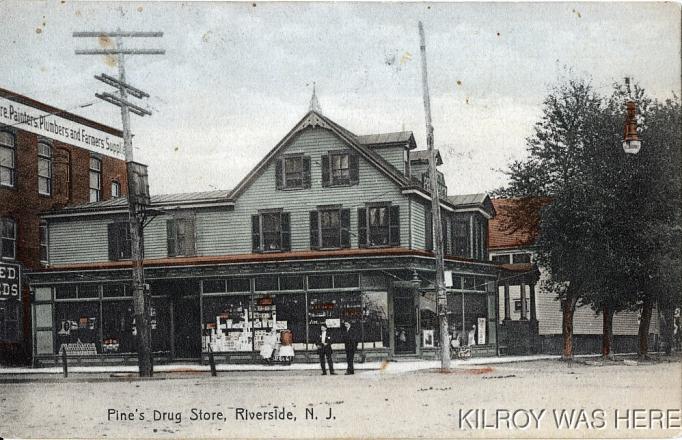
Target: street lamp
[631, 142]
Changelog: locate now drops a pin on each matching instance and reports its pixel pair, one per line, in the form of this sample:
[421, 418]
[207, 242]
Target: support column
[524, 309]
[533, 312]
[506, 302]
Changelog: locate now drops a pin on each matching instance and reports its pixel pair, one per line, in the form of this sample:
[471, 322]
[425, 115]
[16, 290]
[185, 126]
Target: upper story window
[44, 169]
[340, 168]
[119, 240]
[293, 172]
[115, 189]
[270, 232]
[95, 179]
[180, 236]
[379, 226]
[442, 188]
[42, 230]
[523, 257]
[7, 159]
[8, 228]
[501, 259]
[428, 232]
[330, 228]
[460, 237]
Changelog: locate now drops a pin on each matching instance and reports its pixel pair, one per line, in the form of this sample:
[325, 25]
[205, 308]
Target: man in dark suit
[350, 343]
[324, 349]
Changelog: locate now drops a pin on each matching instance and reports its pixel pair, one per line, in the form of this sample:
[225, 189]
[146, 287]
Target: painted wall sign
[60, 129]
[10, 281]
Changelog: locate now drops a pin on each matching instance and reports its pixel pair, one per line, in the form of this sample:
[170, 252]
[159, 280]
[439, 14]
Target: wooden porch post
[506, 302]
[533, 312]
[524, 309]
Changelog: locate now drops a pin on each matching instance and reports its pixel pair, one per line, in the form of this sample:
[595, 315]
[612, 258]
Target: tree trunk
[644, 323]
[567, 308]
[607, 333]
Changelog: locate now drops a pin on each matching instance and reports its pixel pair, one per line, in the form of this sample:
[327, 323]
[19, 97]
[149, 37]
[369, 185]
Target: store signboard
[10, 281]
[55, 127]
[481, 331]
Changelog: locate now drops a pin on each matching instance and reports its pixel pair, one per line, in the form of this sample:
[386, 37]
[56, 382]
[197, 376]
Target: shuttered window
[271, 232]
[379, 226]
[293, 172]
[330, 228]
[119, 241]
[180, 233]
[340, 169]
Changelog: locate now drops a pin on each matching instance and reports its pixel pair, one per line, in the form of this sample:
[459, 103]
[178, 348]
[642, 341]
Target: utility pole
[435, 210]
[138, 192]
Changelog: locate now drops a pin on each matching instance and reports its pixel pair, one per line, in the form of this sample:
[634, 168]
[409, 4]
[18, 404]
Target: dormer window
[293, 172]
[340, 168]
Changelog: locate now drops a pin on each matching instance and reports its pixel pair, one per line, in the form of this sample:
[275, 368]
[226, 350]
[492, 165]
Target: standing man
[324, 349]
[350, 343]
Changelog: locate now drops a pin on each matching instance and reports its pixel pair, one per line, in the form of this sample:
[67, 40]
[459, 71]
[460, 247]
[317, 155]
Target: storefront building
[328, 227]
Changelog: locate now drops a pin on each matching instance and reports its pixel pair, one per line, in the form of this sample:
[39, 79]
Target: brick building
[49, 158]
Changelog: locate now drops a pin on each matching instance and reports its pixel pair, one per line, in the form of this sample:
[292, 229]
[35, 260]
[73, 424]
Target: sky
[236, 77]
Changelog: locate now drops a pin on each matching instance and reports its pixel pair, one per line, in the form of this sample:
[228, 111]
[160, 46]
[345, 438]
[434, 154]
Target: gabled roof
[504, 235]
[480, 201]
[315, 119]
[422, 156]
[399, 138]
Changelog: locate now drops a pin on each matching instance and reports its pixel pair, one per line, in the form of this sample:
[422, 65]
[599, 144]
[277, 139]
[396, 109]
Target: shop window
[65, 292]
[42, 232]
[266, 283]
[115, 189]
[320, 282]
[379, 226]
[78, 327]
[118, 335]
[460, 237]
[331, 309]
[115, 290]
[271, 232]
[346, 280]
[180, 237]
[521, 258]
[44, 169]
[88, 291]
[470, 326]
[293, 172]
[213, 286]
[500, 259]
[9, 238]
[374, 325]
[330, 228]
[9, 320]
[119, 241]
[291, 283]
[238, 285]
[95, 179]
[469, 283]
[7, 159]
[340, 169]
[228, 325]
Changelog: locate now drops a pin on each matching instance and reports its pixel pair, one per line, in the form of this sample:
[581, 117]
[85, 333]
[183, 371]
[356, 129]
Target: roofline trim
[427, 197]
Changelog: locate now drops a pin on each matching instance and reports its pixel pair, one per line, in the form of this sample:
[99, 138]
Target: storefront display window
[375, 320]
[78, 328]
[117, 327]
[470, 327]
[331, 309]
[227, 323]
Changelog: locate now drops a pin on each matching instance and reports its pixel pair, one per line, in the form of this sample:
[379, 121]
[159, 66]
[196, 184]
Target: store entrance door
[187, 331]
[405, 321]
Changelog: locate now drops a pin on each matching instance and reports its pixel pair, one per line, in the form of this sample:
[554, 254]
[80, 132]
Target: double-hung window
[95, 179]
[270, 231]
[44, 169]
[8, 228]
[340, 168]
[293, 172]
[7, 159]
[180, 236]
[379, 225]
[330, 228]
[460, 237]
[119, 241]
[115, 189]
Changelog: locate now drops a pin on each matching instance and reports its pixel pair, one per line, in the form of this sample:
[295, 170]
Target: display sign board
[481, 331]
[10, 281]
[60, 129]
[448, 278]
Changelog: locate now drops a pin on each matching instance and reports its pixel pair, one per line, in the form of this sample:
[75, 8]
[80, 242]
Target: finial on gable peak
[314, 104]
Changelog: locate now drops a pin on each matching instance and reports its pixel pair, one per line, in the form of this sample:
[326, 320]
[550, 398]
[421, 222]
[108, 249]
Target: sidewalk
[395, 367]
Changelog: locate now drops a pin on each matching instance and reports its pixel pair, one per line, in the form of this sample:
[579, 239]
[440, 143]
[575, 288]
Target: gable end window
[119, 241]
[330, 228]
[293, 172]
[44, 169]
[8, 228]
[270, 232]
[95, 179]
[180, 237]
[379, 226]
[7, 159]
[340, 169]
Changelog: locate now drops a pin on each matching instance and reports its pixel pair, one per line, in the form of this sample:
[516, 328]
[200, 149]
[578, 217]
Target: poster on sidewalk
[363, 220]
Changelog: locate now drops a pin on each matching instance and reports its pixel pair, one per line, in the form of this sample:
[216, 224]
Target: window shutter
[279, 173]
[314, 230]
[394, 226]
[286, 231]
[306, 171]
[170, 237]
[255, 233]
[362, 227]
[113, 241]
[325, 170]
[354, 166]
[190, 238]
[345, 228]
[428, 231]
[125, 240]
